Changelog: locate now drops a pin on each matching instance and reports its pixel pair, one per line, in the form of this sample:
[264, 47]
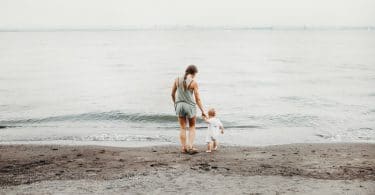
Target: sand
[285, 169]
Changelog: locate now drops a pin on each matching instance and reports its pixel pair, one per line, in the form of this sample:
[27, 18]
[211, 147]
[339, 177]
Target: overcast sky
[95, 13]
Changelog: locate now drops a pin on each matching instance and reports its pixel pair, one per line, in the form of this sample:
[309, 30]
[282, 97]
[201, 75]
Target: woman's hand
[204, 117]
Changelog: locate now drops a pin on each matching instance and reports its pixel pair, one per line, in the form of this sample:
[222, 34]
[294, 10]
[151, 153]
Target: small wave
[99, 137]
[304, 101]
[284, 60]
[97, 116]
[7, 126]
[290, 120]
[352, 134]
[236, 127]
[242, 126]
[164, 119]
[323, 136]
[225, 126]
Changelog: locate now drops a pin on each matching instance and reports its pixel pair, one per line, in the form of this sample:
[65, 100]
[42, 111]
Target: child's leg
[209, 146]
[215, 145]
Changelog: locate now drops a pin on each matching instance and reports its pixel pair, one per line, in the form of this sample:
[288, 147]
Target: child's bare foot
[208, 151]
[215, 148]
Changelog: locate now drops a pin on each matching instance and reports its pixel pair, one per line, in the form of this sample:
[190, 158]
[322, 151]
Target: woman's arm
[174, 89]
[194, 85]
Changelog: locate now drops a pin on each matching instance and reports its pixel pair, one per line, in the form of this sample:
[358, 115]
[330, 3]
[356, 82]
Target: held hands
[204, 117]
[222, 131]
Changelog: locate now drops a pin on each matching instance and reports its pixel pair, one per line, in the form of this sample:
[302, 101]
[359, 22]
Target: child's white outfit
[213, 129]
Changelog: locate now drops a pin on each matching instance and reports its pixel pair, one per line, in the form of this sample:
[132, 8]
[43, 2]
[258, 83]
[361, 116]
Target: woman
[185, 106]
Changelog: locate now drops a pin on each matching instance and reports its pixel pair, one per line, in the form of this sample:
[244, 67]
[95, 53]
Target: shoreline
[350, 167]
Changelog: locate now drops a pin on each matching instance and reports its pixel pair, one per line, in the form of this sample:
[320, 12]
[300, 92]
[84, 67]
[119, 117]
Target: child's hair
[212, 112]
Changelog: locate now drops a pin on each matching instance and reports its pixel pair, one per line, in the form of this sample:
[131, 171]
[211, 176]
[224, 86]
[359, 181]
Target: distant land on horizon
[183, 27]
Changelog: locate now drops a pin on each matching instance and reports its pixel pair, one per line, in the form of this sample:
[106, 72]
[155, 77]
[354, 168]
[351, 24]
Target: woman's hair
[191, 69]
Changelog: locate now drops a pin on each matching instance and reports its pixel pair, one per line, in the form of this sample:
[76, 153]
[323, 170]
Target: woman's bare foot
[184, 150]
[208, 151]
[193, 150]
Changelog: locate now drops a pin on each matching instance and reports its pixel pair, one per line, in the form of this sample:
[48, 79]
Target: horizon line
[187, 27]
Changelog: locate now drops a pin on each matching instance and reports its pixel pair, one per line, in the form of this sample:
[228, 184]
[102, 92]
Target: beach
[333, 168]
[90, 112]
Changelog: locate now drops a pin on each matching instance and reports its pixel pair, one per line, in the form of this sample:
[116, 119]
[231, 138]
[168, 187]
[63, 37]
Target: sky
[117, 13]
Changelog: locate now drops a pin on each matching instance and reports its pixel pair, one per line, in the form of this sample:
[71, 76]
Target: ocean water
[113, 87]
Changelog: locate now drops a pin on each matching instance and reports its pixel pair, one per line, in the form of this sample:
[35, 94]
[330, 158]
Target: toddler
[214, 126]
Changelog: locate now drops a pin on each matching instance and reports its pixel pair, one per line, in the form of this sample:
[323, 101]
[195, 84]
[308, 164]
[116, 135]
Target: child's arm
[221, 127]
[205, 118]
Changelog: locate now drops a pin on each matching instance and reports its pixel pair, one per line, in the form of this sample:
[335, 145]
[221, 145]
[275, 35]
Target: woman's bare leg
[191, 132]
[182, 121]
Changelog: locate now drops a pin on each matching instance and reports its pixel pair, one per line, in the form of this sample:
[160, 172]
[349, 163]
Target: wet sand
[296, 168]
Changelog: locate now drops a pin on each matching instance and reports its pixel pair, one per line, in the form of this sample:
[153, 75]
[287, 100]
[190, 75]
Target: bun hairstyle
[191, 69]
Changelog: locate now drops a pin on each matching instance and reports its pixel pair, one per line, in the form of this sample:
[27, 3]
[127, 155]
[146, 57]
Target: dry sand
[289, 169]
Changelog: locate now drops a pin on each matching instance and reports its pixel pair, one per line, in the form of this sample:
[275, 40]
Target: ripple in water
[100, 137]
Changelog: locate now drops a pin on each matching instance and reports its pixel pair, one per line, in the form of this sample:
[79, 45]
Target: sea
[113, 87]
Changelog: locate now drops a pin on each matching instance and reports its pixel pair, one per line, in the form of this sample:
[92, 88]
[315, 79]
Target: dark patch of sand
[26, 164]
